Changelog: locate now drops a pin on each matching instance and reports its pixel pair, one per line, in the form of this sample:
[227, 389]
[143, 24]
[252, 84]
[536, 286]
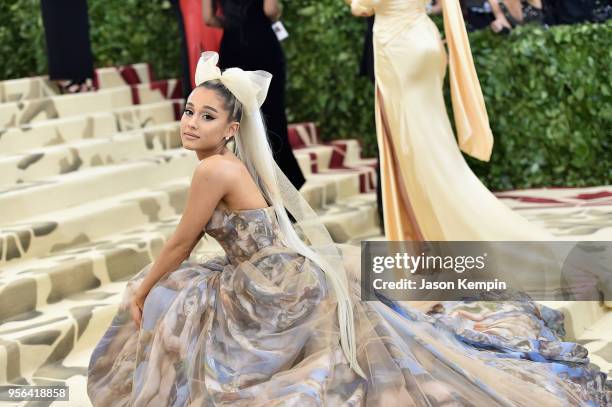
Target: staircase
[92, 184]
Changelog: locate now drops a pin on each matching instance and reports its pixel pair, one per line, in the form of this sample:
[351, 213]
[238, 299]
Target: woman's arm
[208, 186]
[272, 9]
[362, 8]
[497, 12]
[209, 14]
[500, 19]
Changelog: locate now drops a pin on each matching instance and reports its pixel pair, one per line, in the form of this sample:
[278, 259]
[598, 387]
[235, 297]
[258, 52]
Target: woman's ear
[232, 130]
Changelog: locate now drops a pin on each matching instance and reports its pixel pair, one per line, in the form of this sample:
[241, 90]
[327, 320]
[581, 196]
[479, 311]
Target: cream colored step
[32, 284]
[36, 87]
[349, 150]
[322, 154]
[17, 113]
[76, 156]
[110, 77]
[56, 131]
[59, 230]
[50, 336]
[51, 231]
[304, 162]
[324, 189]
[352, 218]
[600, 329]
[35, 198]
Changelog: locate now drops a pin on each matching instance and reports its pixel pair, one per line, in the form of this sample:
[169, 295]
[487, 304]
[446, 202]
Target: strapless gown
[258, 327]
[429, 191]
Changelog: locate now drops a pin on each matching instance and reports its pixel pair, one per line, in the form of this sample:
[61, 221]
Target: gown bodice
[400, 8]
[242, 233]
[393, 16]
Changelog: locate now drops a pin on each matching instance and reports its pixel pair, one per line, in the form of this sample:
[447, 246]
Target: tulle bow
[249, 87]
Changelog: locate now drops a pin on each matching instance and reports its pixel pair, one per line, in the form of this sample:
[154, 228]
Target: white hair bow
[249, 87]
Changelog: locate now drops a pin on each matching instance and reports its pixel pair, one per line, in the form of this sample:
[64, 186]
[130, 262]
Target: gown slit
[400, 221]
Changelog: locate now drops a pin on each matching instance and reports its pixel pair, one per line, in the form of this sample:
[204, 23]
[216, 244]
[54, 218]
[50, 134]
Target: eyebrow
[204, 107]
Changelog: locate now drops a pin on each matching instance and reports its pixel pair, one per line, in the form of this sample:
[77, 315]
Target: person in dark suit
[69, 56]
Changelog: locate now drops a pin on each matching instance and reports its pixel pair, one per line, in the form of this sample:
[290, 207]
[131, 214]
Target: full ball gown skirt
[258, 327]
[429, 191]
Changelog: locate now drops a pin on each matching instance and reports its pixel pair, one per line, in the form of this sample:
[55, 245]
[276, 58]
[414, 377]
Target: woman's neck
[203, 154]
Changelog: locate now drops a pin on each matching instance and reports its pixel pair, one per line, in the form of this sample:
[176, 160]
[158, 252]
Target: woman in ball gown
[278, 320]
[429, 191]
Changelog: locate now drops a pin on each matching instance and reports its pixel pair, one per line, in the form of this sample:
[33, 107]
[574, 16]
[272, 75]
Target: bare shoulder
[221, 169]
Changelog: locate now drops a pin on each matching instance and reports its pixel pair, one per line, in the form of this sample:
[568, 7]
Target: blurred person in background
[478, 14]
[512, 13]
[572, 11]
[69, 56]
[196, 37]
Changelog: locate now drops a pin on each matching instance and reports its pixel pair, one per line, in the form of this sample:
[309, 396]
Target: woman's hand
[499, 24]
[358, 10]
[137, 306]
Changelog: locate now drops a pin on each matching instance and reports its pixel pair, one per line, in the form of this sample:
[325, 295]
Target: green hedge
[121, 32]
[548, 92]
[548, 96]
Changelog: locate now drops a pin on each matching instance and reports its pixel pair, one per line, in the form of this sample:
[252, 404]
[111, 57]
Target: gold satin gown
[429, 191]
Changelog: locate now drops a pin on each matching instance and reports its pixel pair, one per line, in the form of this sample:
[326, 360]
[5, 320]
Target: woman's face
[205, 124]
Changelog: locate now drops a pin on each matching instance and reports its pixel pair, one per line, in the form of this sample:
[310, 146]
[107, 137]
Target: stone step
[31, 285]
[55, 231]
[35, 198]
[132, 74]
[63, 229]
[50, 336]
[35, 87]
[14, 114]
[352, 218]
[332, 158]
[85, 153]
[25, 138]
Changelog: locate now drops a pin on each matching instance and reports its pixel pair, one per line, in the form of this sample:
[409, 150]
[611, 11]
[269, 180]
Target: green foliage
[323, 52]
[548, 91]
[121, 32]
[22, 44]
[548, 96]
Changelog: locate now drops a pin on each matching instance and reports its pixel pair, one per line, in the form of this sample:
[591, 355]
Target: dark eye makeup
[205, 116]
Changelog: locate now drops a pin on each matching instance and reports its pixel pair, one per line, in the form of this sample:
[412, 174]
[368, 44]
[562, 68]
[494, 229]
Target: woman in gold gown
[429, 191]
